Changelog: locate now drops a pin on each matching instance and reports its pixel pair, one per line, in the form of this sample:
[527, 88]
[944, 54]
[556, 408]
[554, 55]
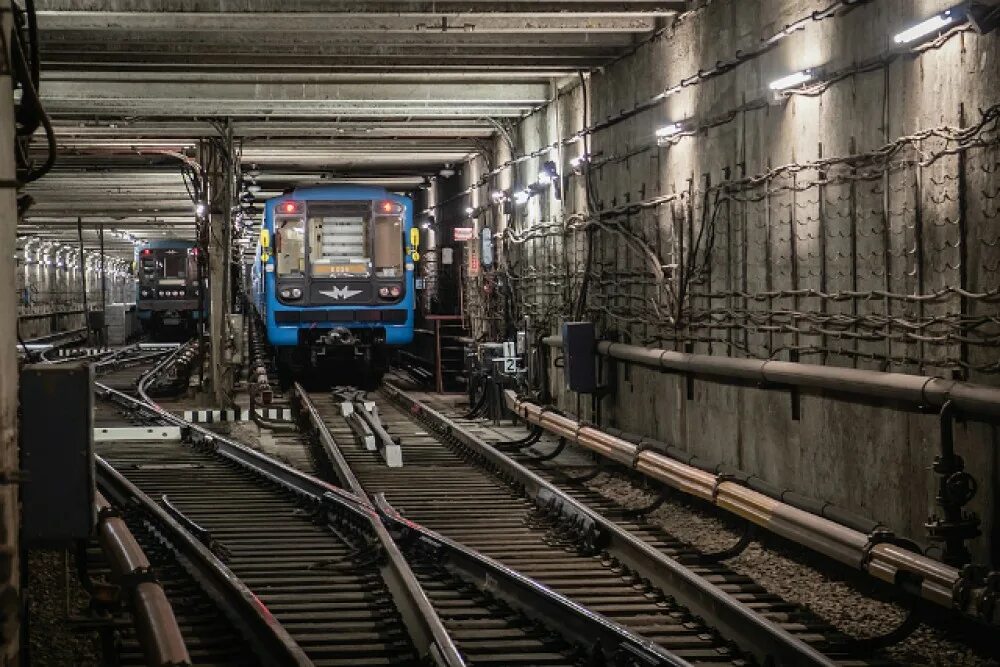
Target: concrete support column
[218, 160]
[10, 621]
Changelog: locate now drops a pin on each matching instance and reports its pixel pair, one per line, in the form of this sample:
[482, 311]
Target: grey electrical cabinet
[57, 452]
[579, 351]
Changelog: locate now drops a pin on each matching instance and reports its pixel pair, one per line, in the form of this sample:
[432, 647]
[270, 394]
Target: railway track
[623, 568]
[208, 637]
[283, 542]
[316, 580]
[321, 562]
[546, 457]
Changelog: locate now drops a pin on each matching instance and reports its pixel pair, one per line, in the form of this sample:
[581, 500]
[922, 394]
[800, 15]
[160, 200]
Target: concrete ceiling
[316, 90]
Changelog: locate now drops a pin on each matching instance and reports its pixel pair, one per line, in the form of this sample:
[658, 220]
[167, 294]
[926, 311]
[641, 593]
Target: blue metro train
[168, 293]
[333, 279]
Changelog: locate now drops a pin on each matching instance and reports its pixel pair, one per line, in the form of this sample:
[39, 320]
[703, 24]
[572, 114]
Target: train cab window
[289, 247]
[388, 259]
[338, 246]
[175, 265]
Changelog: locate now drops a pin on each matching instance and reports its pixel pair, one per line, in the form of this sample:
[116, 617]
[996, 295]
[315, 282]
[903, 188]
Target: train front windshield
[338, 245]
[175, 266]
[342, 239]
[169, 266]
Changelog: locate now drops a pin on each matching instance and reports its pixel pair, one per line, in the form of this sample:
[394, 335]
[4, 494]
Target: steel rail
[156, 626]
[527, 595]
[617, 644]
[418, 608]
[268, 638]
[423, 625]
[752, 632]
[875, 554]
[918, 391]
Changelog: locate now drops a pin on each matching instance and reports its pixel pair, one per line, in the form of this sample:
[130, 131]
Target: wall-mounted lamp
[669, 134]
[549, 175]
[925, 28]
[792, 80]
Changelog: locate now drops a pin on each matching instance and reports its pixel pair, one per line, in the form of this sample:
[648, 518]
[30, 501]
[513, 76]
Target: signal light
[389, 207]
[290, 207]
[147, 251]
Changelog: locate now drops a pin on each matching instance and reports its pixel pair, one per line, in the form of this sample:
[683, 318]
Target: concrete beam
[72, 134]
[159, 98]
[528, 7]
[335, 57]
[293, 27]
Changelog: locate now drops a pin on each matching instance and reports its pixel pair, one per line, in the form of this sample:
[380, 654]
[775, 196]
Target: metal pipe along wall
[971, 400]
[938, 583]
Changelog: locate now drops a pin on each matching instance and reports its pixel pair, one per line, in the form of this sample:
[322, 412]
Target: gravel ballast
[53, 640]
[796, 578]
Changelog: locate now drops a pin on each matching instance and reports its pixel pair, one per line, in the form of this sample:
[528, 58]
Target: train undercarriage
[338, 356]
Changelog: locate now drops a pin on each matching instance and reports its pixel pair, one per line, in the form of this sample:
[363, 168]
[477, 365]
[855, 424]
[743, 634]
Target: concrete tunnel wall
[858, 227]
[49, 297]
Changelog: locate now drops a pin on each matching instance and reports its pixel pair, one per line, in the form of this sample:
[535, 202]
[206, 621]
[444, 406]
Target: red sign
[464, 233]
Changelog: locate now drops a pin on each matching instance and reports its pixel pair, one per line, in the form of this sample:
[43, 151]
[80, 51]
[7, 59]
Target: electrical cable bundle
[29, 114]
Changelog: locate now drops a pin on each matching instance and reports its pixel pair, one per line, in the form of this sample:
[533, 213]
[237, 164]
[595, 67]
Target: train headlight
[296, 293]
[286, 293]
[383, 292]
[395, 291]
[145, 293]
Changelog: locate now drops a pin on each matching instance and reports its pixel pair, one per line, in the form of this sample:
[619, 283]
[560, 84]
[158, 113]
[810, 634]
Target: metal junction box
[57, 452]
[579, 356]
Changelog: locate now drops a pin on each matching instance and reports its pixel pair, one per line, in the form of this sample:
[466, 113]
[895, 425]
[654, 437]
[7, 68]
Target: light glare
[923, 28]
[792, 80]
[668, 130]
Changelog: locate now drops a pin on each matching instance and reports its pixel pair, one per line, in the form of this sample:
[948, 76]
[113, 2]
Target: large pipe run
[971, 400]
[156, 625]
[880, 557]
